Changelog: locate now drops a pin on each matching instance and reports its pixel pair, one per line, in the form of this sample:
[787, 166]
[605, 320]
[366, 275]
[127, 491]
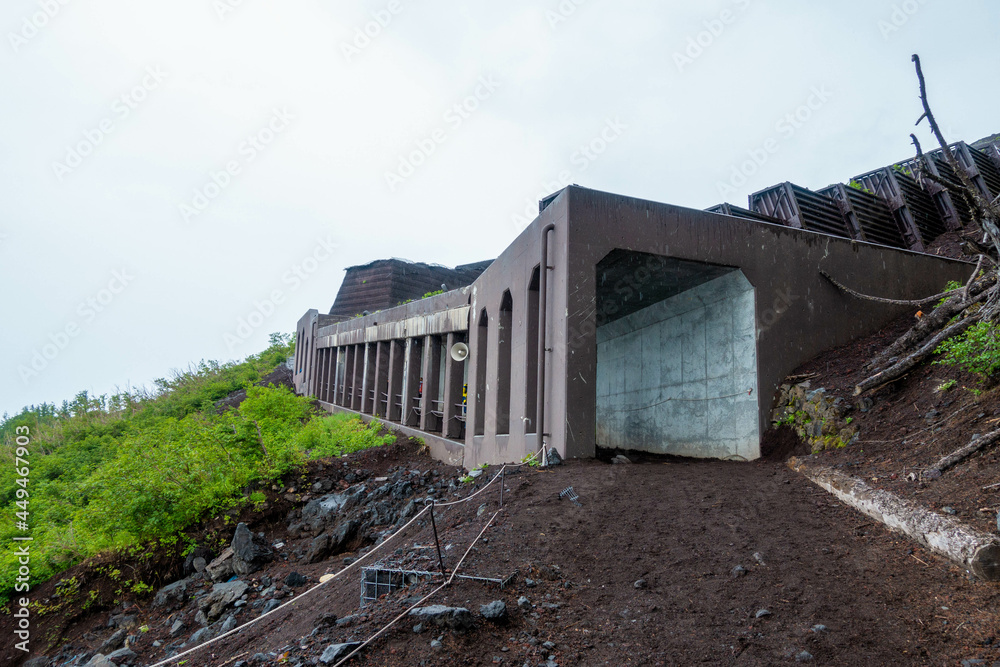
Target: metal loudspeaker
[459, 351]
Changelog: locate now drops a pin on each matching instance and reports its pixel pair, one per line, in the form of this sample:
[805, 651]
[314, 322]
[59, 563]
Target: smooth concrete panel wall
[680, 377]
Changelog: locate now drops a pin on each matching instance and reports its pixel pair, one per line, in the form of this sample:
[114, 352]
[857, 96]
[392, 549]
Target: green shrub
[976, 351]
[119, 472]
[340, 434]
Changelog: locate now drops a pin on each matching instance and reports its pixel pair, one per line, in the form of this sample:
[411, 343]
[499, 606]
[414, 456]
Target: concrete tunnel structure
[612, 322]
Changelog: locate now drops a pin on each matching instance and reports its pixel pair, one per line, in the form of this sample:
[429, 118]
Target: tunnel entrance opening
[676, 358]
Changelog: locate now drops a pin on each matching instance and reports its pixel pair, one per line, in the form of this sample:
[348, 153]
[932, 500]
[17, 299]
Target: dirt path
[682, 528]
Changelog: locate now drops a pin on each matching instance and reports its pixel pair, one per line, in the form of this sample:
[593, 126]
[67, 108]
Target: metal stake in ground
[437, 543]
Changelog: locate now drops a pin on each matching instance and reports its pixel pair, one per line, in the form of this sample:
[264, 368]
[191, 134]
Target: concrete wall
[798, 314]
[680, 376]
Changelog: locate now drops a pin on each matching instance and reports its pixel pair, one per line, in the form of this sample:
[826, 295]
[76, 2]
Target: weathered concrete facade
[615, 322]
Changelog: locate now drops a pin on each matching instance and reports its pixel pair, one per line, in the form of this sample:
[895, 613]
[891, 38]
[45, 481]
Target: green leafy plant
[859, 186]
[977, 350]
[947, 385]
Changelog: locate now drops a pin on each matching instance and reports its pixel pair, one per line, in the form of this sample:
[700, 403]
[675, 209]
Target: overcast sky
[169, 168]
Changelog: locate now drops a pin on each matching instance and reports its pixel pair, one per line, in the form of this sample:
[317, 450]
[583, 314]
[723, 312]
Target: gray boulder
[322, 511]
[201, 636]
[171, 593]
[553, 458]
[222, 567]
[122, 655]
[319, 549]
[222, 596]
[249, 552]
[100, 660]
[115, 641]
[335, 652]
[456, 618]
[495, 611]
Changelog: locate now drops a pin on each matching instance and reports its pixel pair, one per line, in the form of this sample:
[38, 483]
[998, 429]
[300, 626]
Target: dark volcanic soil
[681, 527]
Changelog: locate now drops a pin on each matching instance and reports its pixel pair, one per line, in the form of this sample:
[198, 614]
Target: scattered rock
[327, 619]
[348, 621]
[819, 627]
[738, 571]
[640, 583]
[222, 567]
[115, 641]
[228, 624]
[199, 564]
[436, 643]
[319, 549]
[121, 621]
[456, 618]
[524, 603]
[335, 652]
[171, 593]
[40, 661]
[249, 552]
[100, 660]
[949, 510]
[495, 611]
[803, 656]
[621, 458]
[294, 579]
[762, 613]
[270, 606]
[176, 627]
[418, 628]
[554, 459]
[757, 557]
[222, 596]
[201, 636]
[121, 655]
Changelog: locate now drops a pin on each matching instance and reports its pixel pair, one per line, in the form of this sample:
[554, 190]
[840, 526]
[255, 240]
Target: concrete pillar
[397, 352]
[348, 370]
[357, 377]
[411, 383]
[338, 362]
[454, 379]
[505, 329]
[431, 374]
[368, 392]
[381, 384]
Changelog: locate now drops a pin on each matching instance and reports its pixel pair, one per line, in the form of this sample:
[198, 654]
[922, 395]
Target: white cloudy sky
[92, 183]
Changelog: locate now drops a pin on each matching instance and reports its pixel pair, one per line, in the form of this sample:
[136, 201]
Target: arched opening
[531, 355]
[505, 321]
[676, 357]
[482, 340]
